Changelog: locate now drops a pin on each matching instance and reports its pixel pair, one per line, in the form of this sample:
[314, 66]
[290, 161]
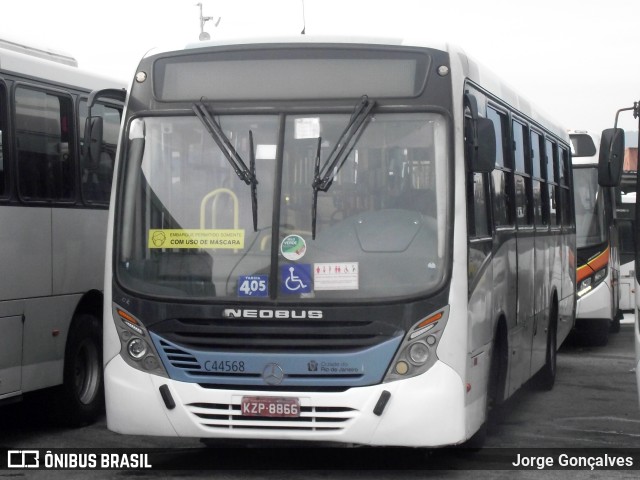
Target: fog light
[137, 348]
[419, 353]
[150, 363]
[402, 368]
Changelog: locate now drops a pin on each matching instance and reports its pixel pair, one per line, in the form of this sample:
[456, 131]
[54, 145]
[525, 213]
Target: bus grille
[179, 358]
[283, 336]
[229, 417]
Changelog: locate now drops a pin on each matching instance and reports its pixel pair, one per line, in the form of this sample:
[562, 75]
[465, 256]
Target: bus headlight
[136, 347]
[589, 283]
[418, 350]
[418, 353]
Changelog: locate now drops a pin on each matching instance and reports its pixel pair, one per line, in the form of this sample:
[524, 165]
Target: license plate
[286, 407]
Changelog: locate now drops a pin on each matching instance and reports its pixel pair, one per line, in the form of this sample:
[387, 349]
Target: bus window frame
[5, 139]
[73, 143]
[529, 224]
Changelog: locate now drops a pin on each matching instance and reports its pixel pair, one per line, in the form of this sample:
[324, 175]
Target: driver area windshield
[589, 204]
[185, 228]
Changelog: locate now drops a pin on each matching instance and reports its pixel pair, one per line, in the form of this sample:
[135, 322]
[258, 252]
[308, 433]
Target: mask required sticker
[196, 238]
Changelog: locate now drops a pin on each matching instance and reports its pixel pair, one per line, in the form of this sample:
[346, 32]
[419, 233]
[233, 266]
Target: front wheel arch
[81, 396]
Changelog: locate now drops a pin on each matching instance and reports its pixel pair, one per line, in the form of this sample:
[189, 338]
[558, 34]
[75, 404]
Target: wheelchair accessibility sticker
[295, 279]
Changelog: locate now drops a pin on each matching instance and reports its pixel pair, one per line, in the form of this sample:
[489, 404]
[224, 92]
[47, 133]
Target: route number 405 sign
[253, 286]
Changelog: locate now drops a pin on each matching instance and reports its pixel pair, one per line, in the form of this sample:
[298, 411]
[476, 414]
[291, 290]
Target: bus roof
[43, 64]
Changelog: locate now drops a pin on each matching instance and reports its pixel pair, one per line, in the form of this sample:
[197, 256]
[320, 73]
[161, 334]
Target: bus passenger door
[543, 254]
[520, 337]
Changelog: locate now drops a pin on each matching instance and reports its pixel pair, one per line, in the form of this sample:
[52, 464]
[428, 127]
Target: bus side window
[565, 192]
[477, 194]
[503, 173]
[539, 185]
[96, 179]
[480, 201]
[551, 157]
[522, 176]
[46, 166]
[3, 140]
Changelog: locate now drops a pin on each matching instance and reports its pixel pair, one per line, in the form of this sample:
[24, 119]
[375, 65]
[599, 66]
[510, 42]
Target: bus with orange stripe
[598, 262]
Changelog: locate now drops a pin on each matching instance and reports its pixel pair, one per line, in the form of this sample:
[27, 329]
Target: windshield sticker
[266, 152]
[335, 276]
[307, 128]
[253, 286]
[293, 247]
[295, 278]
[196, 238]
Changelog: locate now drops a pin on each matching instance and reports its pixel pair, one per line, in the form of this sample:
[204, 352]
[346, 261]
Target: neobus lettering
[255, 313]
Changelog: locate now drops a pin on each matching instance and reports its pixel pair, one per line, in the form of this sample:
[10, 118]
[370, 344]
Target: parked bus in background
[598, 265]
[369, 242]
[53, 212]
[628, 173]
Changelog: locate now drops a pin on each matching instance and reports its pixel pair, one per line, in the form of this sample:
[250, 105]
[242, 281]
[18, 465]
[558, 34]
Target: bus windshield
[589, 203]
[187, 222]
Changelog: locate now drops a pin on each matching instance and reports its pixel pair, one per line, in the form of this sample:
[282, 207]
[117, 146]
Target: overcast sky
[578, 60]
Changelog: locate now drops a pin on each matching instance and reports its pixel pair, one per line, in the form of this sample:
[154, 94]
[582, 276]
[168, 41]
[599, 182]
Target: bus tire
[546, 377]
[82, 393]
[599, 332]
[615, 324]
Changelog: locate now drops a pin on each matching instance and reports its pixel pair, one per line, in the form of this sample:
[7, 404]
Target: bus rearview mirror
[611, 157]
[92, 142]
[485, 155]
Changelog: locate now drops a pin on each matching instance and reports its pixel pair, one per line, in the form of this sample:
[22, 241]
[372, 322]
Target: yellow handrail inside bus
[214, 196]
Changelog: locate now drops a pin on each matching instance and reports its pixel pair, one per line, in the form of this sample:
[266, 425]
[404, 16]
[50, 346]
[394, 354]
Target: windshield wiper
[244, 173]
[254, 182]
[323, 177]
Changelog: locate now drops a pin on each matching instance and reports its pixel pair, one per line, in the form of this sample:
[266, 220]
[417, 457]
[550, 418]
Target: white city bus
[367, 242]
[53, 215]
[598, 265]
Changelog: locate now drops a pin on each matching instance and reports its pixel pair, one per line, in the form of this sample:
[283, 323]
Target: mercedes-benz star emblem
[273, 374]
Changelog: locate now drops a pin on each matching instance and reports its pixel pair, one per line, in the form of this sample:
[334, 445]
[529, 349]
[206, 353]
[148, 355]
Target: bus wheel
[615, 325]
[599, 332]
[545, 378]
[82, 394]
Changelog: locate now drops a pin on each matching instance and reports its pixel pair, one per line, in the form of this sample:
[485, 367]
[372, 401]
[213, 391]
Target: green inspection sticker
[293, 247]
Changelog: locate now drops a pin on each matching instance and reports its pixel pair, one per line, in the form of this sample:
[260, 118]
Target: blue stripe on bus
[346, 369]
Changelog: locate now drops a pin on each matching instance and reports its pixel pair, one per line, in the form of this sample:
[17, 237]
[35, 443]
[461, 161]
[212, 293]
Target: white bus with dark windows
[598, 265]
[368, 242]
[53, 211]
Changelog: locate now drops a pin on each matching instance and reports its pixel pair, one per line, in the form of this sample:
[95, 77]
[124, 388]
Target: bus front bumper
[595, 304]
[428, 410]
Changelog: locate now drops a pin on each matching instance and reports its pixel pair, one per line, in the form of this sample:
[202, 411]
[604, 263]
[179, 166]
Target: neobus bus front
[281, 267]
